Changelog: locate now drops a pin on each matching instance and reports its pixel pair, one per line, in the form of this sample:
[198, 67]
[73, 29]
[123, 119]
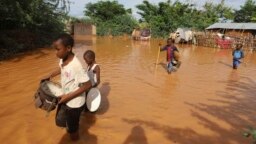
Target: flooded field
[205, 101]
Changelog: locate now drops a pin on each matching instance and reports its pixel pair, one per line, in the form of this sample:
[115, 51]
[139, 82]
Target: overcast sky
[77, 6]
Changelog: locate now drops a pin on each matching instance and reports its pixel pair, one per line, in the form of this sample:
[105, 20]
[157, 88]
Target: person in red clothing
[172, 56]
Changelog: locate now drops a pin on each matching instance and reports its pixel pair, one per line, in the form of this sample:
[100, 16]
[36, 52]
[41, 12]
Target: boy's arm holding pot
[66, 97]
[51, 75]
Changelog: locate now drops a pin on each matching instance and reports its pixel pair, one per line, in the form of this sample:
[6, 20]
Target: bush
[111, 18]
[119, 25]
[28, 24]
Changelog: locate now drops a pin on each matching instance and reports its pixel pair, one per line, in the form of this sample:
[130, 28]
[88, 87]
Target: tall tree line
[28, 24]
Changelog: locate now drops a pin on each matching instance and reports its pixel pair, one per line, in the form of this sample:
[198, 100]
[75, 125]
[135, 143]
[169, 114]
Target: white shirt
[92, 75]
[71, 76]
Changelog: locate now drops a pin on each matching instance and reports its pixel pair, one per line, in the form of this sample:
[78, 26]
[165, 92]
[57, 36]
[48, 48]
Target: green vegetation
[167, 16]
[247, 13]
[111, 18]
[28, 24]
[251, 132]
[163, 18]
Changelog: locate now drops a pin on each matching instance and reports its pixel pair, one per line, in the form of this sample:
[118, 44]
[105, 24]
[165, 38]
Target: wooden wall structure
[233, 33]
[84, 29]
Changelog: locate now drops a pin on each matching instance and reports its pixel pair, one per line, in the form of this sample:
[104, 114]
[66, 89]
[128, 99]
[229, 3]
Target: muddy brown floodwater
[205, 102]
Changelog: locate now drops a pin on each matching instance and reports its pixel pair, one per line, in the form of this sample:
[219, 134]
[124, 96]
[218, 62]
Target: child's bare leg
[74, 136]
[169, 68]
[73, 116]
[178, 64]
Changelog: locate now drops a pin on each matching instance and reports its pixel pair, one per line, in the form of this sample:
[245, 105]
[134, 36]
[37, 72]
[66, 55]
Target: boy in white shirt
[74, 84]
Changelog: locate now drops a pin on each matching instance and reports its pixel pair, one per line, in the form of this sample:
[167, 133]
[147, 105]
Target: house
[84, 29]
[84, 33]
[141, 34]
[232, 33]
[234, 29]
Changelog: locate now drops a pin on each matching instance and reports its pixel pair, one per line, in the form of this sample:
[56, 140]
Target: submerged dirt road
[204, 102]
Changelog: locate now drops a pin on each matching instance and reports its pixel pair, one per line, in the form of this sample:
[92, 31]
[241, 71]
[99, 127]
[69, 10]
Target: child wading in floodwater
[238, 54]
[93, 69]
[74, 83]
[172, 57]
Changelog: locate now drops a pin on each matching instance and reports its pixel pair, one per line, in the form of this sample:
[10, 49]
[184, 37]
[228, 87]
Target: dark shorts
[236, 62]
[68, 117]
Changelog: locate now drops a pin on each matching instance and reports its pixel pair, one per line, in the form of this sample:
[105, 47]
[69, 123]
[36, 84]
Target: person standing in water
[238, 54]
[93, 69]
[172, 56]
[74, 83]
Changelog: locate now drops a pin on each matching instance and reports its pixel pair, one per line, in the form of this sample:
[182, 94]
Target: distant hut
[141, 34]
[231, 33]
[145, 34]
[84, 29]
[234, 29]
[84, 33]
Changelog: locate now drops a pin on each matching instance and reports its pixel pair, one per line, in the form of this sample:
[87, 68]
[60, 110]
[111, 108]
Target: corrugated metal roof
[246, 26]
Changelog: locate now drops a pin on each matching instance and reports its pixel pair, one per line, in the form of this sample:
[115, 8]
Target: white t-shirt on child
[71, 76]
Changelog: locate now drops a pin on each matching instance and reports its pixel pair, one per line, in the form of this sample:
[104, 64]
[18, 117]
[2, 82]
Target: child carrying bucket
[74, 84]
[172, 56]
[238, 54]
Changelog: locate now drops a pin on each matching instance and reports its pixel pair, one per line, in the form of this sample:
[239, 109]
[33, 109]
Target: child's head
[239, 46]
[89, 57]
[170, 41]
[63, 45]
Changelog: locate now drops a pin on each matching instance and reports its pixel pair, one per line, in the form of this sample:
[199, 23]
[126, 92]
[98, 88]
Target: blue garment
[171, 67]
[236, 63]
[237, 55]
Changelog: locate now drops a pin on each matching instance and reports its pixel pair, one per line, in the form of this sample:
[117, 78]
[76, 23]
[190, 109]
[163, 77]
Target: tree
[247, 12]
[31, 13]
[27, 24]
[110, 17]
[104, 10]
[166, 17]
